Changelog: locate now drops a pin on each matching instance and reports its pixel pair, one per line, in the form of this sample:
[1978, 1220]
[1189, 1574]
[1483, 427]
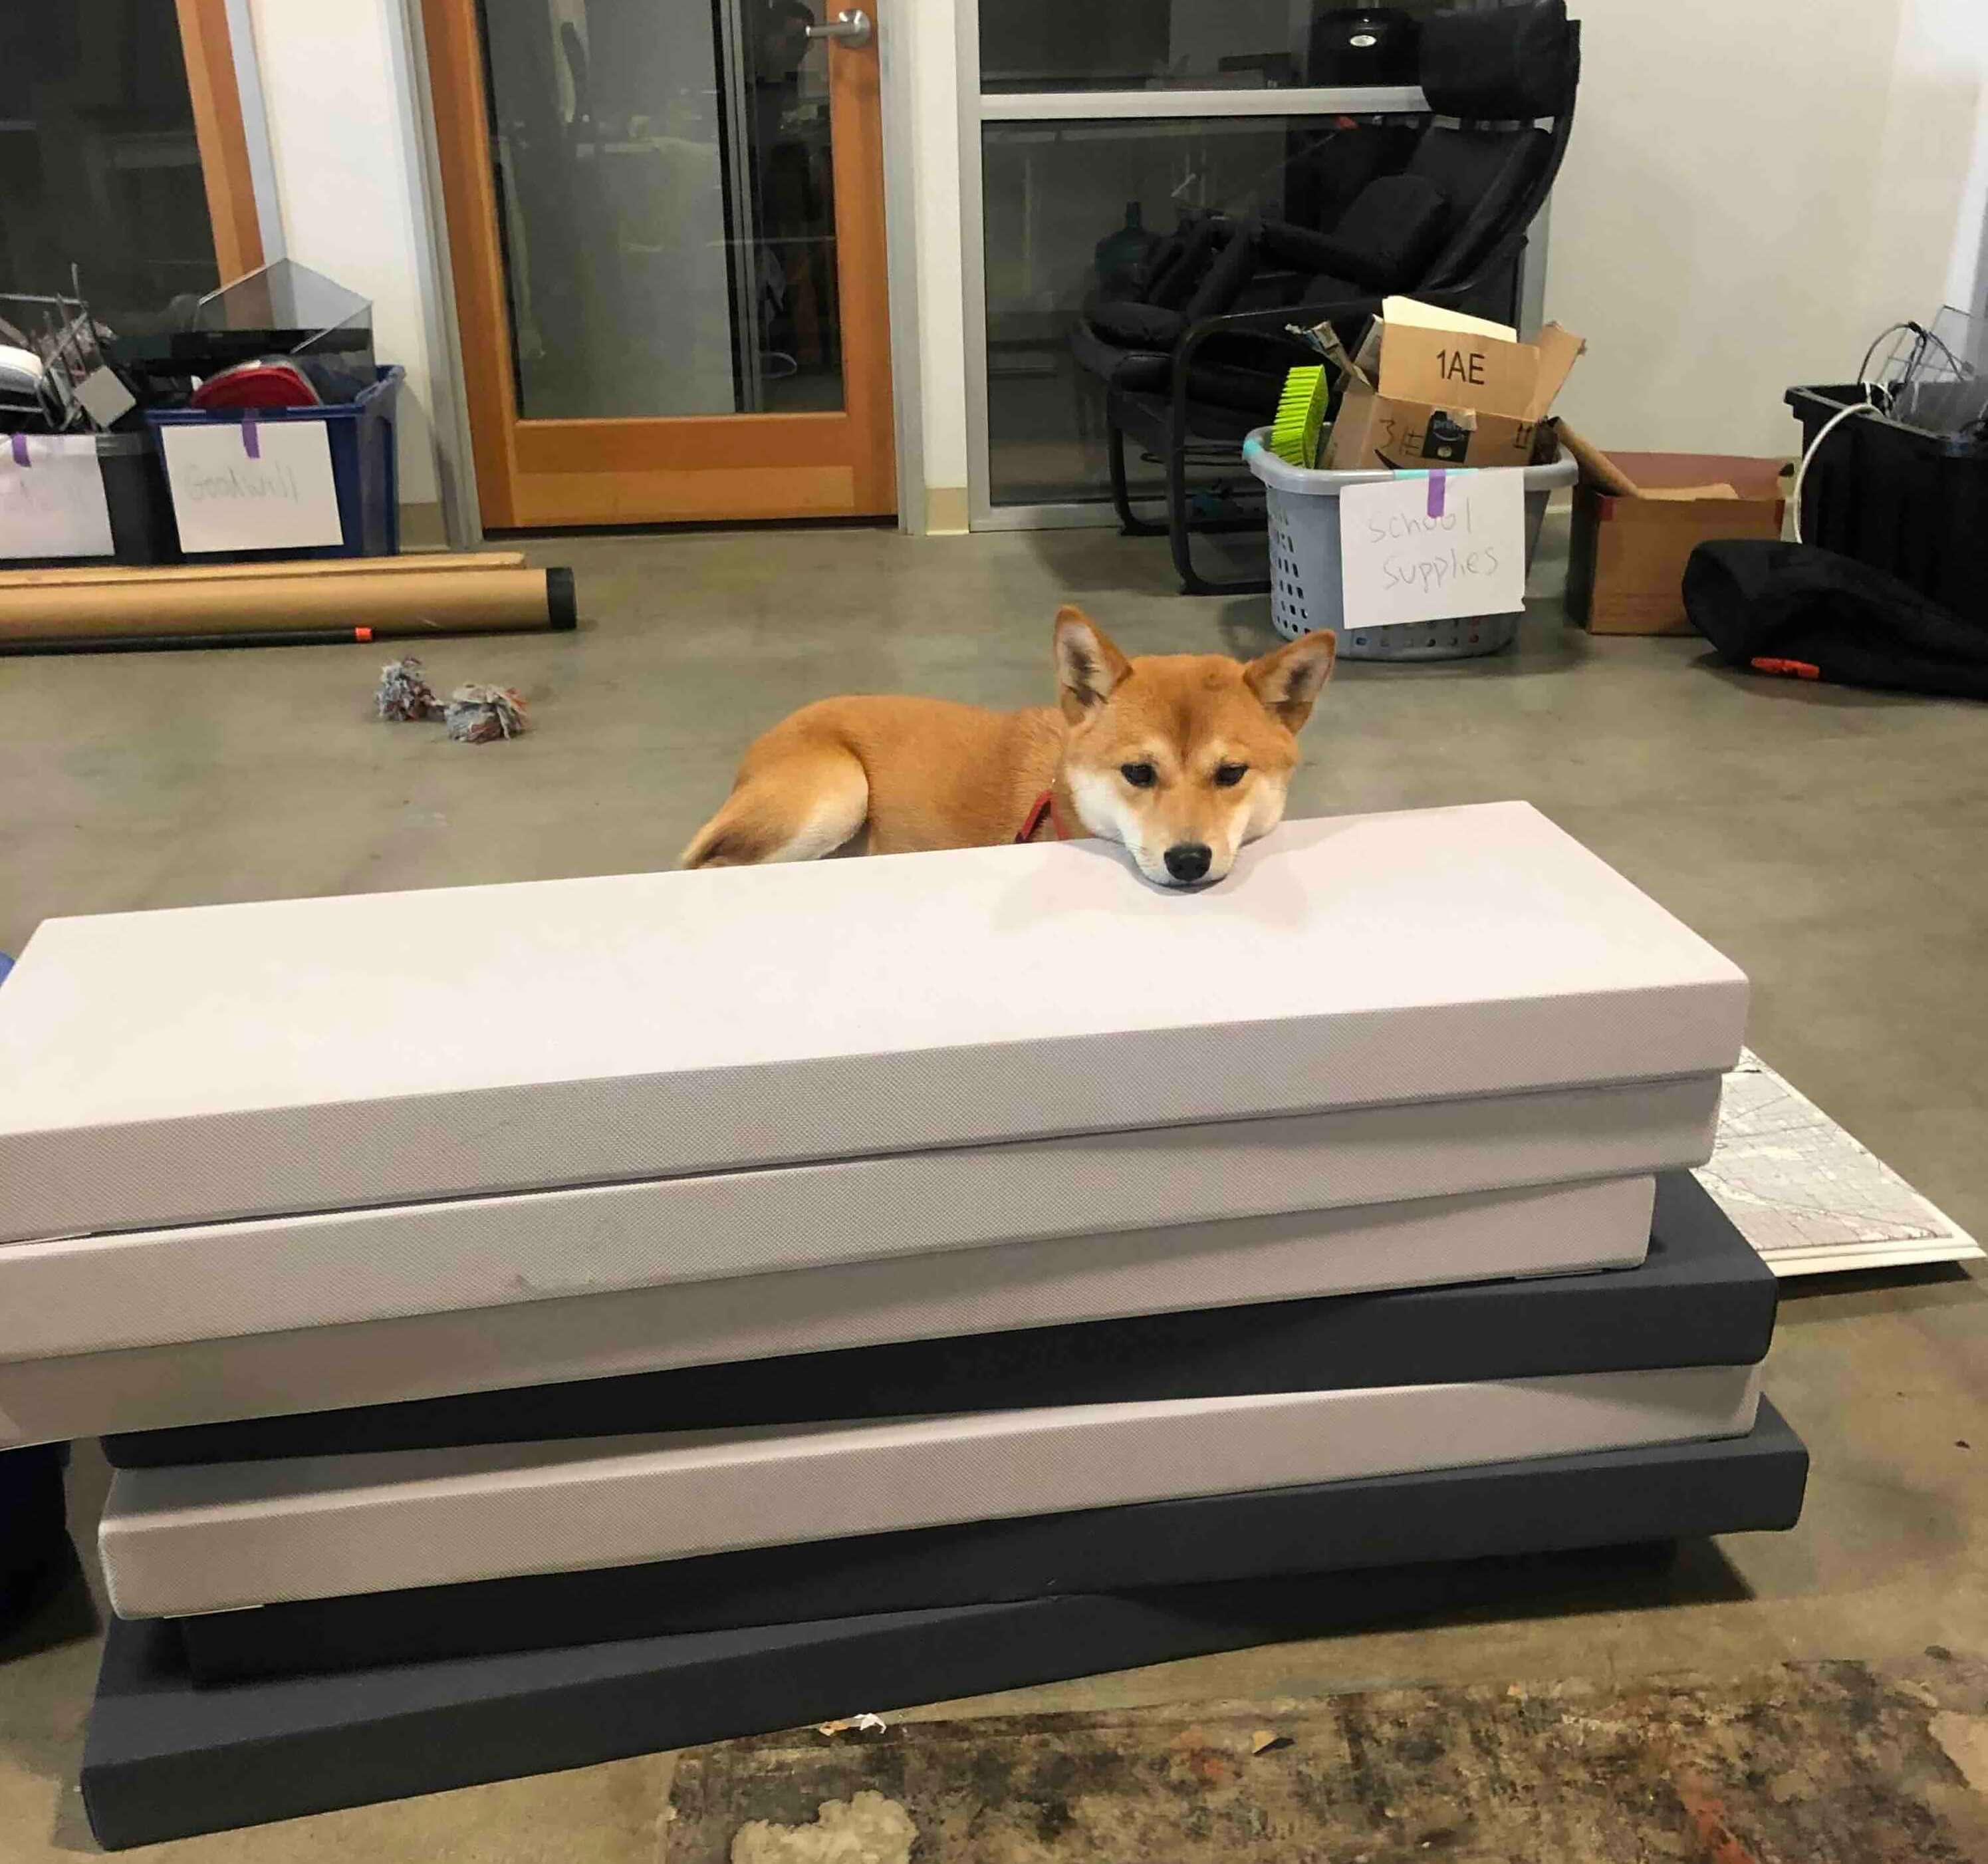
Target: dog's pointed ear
[1289, 681]
[1089, 665]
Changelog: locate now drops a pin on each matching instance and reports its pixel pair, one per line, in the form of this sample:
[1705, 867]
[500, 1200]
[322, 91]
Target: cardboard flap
[1445, 360]
[1677, 479]
[1326, 339]
[1412, 313]
[1366, 362]
[1558, 351]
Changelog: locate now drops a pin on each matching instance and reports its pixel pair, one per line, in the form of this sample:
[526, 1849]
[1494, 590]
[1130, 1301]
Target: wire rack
[68, 342]
[1935, 377]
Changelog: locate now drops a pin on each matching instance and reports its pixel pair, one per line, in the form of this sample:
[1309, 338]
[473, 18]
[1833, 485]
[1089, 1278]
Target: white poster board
[254, 485]
[1429, 546]
[52, 501]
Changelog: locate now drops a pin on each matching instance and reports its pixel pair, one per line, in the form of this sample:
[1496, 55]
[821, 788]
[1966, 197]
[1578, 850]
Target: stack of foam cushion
[537, 1323]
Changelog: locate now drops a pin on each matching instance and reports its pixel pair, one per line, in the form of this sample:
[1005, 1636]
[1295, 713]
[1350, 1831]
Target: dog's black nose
[1187, 861]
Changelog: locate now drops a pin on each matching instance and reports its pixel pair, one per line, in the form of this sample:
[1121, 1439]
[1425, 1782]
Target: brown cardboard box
[1638, 516]
[1434, 387]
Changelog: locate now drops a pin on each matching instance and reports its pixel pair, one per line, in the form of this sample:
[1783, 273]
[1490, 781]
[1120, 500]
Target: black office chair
[1193, 353]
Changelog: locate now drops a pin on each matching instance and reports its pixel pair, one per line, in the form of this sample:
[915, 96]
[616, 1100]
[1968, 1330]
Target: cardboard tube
[392, 604]
[1596, 467]
[277, 570]
[164, 644]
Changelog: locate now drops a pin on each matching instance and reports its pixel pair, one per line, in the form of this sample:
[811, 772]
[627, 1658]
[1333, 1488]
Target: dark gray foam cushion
[164, 1759]
[1500, 1508]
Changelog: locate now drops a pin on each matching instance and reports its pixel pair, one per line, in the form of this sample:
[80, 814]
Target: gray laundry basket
[1305, 591]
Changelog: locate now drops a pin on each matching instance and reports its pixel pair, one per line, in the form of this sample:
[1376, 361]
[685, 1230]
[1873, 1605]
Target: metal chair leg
[1180, 536]
[1130, 525]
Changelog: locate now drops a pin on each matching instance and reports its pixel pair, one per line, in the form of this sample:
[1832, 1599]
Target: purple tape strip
[1436, 492]
[252, 440]
[21, 450]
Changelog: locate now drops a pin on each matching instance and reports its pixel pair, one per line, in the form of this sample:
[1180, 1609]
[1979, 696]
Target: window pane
[100, 168]
[666, 200]
[1064, 200]
[1149, 44]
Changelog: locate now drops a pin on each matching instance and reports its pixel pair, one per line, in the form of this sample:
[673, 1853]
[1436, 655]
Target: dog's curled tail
[799, 796]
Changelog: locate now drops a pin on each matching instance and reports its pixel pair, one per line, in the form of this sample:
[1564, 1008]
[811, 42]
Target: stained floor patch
[1805, 1763]
[867, 1829]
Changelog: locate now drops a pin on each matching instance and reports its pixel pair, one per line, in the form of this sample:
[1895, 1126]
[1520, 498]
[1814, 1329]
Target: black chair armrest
[1280, 320]
[1284, 323]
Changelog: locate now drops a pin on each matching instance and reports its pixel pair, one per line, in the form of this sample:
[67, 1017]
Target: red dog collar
[1044, 805]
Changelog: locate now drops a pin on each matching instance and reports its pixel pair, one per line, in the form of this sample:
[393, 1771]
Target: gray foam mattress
[165, 1759]
[135, 1333]
[218, 1537]
[320, 1056]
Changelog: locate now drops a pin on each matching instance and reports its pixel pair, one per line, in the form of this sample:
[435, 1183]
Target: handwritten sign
[1427, 546]
[256, 485]
[52, 501]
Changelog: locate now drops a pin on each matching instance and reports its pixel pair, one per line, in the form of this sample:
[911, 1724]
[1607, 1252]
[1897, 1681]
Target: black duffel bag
[1791, 608]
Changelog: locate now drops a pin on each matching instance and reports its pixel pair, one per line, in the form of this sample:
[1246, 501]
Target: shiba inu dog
[1181, 758]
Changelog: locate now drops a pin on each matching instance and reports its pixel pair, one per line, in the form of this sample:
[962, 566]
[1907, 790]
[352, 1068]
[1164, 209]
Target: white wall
[1753, 191]
[928, 30]
[333, 93]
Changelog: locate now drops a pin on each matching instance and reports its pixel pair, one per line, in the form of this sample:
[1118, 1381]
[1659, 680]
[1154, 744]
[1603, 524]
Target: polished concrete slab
[1828, 841]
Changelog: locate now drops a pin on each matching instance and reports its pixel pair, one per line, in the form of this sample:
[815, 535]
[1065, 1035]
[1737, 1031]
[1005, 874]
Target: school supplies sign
[1431, 546]
[252, 485]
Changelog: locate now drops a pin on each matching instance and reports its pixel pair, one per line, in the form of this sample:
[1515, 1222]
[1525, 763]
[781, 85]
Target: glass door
[1090, 133]
[666, 218]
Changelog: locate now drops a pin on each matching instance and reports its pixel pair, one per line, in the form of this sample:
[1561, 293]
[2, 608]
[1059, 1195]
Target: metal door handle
[853, 30]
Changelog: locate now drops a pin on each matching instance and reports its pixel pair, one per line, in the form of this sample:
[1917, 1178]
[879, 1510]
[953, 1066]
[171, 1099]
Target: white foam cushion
[319, 1055]
[214, 1280]
[256, 1372]
[229, 1535]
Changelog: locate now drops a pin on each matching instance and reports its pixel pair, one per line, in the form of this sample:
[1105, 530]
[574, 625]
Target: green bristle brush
[1301, 416]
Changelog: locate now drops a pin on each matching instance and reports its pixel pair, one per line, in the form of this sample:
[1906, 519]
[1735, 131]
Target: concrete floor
[1831, 841]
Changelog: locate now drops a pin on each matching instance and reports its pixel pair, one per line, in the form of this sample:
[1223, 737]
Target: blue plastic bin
[365, 465]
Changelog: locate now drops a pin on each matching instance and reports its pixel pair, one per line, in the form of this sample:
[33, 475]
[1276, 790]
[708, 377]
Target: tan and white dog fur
[1181, 758]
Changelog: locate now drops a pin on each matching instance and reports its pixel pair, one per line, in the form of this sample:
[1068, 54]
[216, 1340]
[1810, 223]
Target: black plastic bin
[1901, 498]
[142, 530]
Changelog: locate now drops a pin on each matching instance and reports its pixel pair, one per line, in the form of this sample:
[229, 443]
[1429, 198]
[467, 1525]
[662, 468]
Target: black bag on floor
[33, 1537]
[1790, 608]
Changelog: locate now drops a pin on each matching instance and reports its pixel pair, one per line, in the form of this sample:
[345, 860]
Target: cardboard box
[1434, 387]
[1638, 516]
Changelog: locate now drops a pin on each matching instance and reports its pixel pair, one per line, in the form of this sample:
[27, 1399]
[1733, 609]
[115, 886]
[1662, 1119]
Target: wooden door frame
[225, 168]
[691, 468]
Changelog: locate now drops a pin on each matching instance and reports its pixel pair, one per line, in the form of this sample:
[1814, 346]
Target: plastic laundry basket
[1304, 562]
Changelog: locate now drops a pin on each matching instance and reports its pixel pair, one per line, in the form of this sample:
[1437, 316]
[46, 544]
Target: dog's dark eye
[1139, 776]
[1227, 776]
